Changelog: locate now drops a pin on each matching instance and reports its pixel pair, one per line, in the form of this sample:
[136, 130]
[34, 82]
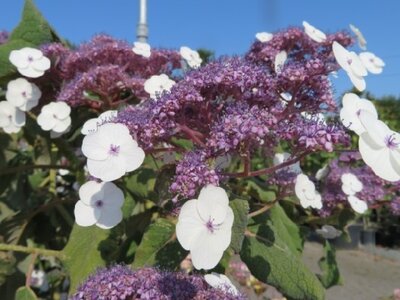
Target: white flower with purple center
[280, 60]
[222, 282]
[100, 203]
[357, 205]
[55, 117]
[30, 62]
[314, 33]
[111, 152]
[351, 184]
[362, 43]
[157, 84]
[142, 49]
[91, 125]
[280, 158]
[371, 62]
[305, 191]
[205, 227]
[191, 57]
[380, 147]
[264, 37]
[11, 118]
[350, 113]
[23, 94]
[351, 63]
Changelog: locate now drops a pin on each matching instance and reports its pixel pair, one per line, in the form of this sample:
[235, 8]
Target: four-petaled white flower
[192, 57]
[280, 158]
[30, 62]
[91, 125]
[351, 184]
[23, 94]
[351, 63]
[352, 106]
[322, 173]
[328, 232]
[39, 280]
[280, 60]
[100, 203]
[55, 116]
[157, 84]
[222, 282]
[372, 62]
[286, 96]
[111, 152]
[11, 118]
[357, 205]
[142, 49]
[305, 191]
[264, 37]
[205, 227]
[362, 43]
[380, 147]
[314, 33]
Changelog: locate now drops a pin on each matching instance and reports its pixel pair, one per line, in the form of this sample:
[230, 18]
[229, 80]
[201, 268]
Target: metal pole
[142, 32]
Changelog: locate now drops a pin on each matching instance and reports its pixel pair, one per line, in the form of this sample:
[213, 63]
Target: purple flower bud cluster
[105, 67]
[192, 173]
[119, 282]
[3, 37]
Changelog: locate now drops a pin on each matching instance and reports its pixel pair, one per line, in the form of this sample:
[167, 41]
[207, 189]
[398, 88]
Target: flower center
[349, 61]
[358, 112]
[211, 227]
[99, 203]
[24, 94]
[114, 150]
[30, 58]
[390, 141]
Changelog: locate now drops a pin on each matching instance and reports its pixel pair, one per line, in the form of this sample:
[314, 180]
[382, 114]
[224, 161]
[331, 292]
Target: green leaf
[240, 211]
[82, 252]
[33, 28]
[25, 293]
[272, 251]
[330, 272]
[141, 184]
[159, 247]
[163, 182]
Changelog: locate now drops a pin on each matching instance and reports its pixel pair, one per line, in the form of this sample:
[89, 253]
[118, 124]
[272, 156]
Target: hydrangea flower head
[111, 152]
[55, 116]
[30, 62]
[205, 226]
[23, 94]
[11, 118]
[100, 203]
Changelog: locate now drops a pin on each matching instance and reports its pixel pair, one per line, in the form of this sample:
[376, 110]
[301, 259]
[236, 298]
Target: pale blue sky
[228, 26]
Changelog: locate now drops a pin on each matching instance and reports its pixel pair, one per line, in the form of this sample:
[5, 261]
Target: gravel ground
[365, 276]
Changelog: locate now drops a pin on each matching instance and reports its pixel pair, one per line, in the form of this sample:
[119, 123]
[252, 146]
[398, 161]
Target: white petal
[341, 55]
[62, 125]
[213, 204]
[264, 37]
[110, 217]
[314, 33]
[280, 60]
[85, 215]
[41, 64]
[91, 191]
[61, 109]
[18, 59]
[46, 121]
[107, 170]
[189, 224]
[356, 65]
[357, 205]
[113, 196]
[220, 281]
[376, 129]
[89, 127]
[362, 43]
[30, 72]
[95, 146]
[357, 81]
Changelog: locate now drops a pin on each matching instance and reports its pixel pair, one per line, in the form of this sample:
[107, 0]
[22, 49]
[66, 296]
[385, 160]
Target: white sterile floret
[351, 184]
[142, 49]
[322, 173]
[362, 43]
[351, 63]
[157, 84]
[280, 158]
[319, 117]
[205, 227]
[99, 203]
[55, 116]
[30, 62]
[222, 282]
[280, 60]
[91, 125]
[379, 147]
[352, 106]
[328, 232]
[192, 57]
[111, 152]
[11, 118]
[357, 205]
[314, 33]
[23, 94]
[264, 37]
[286, 96]
[372, 62]
[39, 280]
[305, 191]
